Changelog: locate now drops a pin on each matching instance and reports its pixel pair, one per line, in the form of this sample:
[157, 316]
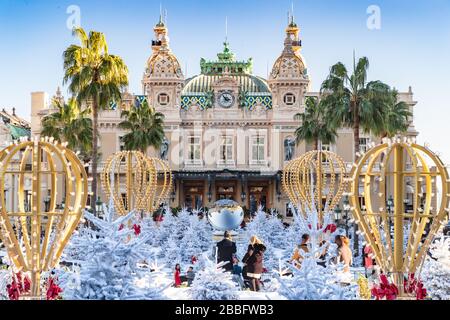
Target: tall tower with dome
[289, 80]
[163, 78]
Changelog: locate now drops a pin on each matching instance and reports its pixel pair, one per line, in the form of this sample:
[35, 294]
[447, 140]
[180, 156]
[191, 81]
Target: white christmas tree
[196, 239]
[155, 281]
[108, 269]
[295, 231]
[435, 273]
[312, 281]
[213, 283]
[182, 237]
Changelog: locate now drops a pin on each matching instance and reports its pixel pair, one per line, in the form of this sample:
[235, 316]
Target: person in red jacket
[177, 275]
[369, 262]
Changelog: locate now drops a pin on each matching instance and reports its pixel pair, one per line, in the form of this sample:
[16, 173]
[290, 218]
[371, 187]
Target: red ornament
[13, 290]
[121, 227]
[53, 290]
[19, 282]
[331, 227]
[193, 259]
[385, 289]
[137, 229]
[412, 285]
[27, 284]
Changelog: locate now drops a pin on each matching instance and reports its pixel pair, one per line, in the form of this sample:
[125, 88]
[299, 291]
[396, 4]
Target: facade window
[163, 99]
[194, 149]
[325, 147]
[289, 99]
[258, 149]
[363, 144]
[226, 149]
[121, 144]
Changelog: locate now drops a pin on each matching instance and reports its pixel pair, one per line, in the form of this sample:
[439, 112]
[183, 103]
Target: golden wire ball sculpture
[33, 228]
[162, 183]
[137, 176]
[315, 180]
[399, 197]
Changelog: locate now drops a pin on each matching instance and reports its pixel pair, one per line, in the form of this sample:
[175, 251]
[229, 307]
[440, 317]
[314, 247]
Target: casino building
[229, 132]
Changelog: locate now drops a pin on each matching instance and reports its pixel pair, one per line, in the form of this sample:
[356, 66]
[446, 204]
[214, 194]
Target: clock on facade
[226, 100]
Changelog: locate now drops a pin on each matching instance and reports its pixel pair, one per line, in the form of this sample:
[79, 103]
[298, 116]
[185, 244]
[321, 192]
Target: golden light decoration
[399, 197]
[363, 287]
[315, 180]
[160, 190]
[146, 182]
[34, 230]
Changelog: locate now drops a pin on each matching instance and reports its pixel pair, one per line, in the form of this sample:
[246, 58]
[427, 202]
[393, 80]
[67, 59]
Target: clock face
[226, 100]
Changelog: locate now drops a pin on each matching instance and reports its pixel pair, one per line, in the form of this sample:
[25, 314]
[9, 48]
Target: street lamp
[98, 206]
[390, 204]
[337, 215]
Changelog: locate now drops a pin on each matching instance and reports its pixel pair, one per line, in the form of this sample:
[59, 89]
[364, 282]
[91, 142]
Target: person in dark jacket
[250, 249]
[225, 251]
[255, 266]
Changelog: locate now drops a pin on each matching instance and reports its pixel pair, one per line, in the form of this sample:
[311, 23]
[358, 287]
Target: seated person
[190, 275]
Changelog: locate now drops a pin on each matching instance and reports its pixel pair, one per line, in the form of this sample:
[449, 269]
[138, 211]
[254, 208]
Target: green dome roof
[247, 83]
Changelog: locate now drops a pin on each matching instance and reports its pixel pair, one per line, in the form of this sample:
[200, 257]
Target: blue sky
[411, 48]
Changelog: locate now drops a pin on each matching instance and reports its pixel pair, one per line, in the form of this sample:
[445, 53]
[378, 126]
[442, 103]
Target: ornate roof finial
[161, 22]
[58, 97]
[292, 10]
[291, 17]
[226, 29]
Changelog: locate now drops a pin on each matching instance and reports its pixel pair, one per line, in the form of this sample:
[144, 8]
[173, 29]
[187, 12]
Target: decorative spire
[292, 19]
[161, 20]
[292, 41]
[161, 41]
[58, 97]
[226, 29]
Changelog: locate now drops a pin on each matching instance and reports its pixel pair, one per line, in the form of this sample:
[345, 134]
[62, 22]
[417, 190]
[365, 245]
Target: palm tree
[315, 125]
[70, 124]
[353, 102]
[95, 78]
[145, 127]
[395, 117]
